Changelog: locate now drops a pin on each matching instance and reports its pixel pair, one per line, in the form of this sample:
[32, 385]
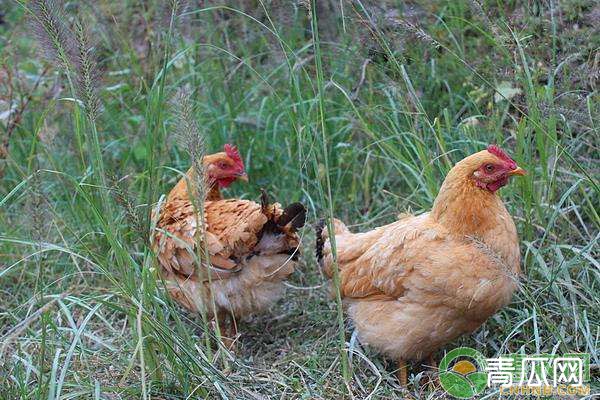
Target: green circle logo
[463, 373]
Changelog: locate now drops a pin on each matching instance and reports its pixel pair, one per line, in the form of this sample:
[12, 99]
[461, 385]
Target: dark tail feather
[264, 200]
[277, 234]
[320, 242]
[294, 215]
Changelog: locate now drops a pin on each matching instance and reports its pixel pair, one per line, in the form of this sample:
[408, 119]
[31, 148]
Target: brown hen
[245, 251]
[420, 282]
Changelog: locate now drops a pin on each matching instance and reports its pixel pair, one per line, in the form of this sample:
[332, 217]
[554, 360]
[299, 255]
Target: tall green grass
[84, 311]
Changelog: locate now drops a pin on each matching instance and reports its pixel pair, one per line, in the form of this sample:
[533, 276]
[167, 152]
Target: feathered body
[422, 281]
[248, 262]
[245, 250]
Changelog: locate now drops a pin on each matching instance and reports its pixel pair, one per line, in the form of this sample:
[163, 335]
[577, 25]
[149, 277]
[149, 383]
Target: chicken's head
[493, 168]
[225, 167]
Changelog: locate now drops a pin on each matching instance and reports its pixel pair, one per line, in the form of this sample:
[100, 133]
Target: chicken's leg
[232, 333]
[402, 373]
[227, 330]
[433, 372]
[432, 363]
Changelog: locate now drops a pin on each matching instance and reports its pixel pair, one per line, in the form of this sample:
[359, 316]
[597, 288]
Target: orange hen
[246, 249]
[420, 282]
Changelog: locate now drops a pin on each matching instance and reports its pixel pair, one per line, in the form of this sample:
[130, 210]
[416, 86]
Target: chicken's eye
[489, 168]
[223, 165]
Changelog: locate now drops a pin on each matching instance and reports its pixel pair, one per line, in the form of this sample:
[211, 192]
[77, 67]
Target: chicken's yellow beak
[243, 177]
[519, 171]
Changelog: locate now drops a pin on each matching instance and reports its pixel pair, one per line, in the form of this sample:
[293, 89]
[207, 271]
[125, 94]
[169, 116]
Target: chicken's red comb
[501, 154]
[233, 153]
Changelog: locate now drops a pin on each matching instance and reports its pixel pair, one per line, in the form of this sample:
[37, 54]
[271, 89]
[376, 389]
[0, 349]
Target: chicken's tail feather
[278, 235]
[320, 241]
[293, 217]
[264, 201]
[339, 228]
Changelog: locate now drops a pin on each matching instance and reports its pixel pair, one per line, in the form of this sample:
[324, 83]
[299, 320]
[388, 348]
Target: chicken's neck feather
[464, 209]
[180, 190]
[478, 216]
[214, 192]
